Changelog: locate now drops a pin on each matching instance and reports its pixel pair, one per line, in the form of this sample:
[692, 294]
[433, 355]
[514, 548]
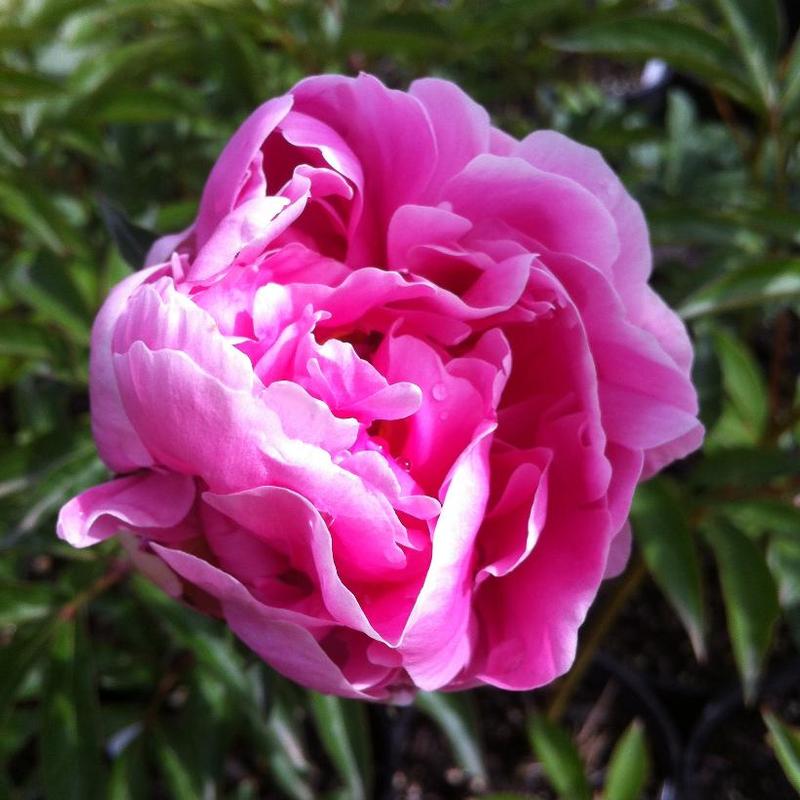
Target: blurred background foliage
[687, 683]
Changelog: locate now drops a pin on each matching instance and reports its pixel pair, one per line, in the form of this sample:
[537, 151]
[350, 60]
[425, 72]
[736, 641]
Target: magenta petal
[146, 500]
[287, 520]
[231, 169]
[460, 125]
[392, 135]
[554, 210]
[117, 441]
[436, 643]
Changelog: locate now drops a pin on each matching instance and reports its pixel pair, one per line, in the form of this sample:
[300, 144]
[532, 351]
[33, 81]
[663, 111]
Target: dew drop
[439, 391]
[404, 464]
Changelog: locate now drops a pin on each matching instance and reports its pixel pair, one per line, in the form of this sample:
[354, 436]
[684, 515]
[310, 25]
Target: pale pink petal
[141, 501]
[117, 441]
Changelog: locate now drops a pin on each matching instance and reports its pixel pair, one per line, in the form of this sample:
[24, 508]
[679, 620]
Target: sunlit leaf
[560, 760]
[682, 45]
[342, 727]
[751, 285]
[755, 25]
[785, 741]
[629, 766]
[669, 550]
[751, 600]
[456, 716]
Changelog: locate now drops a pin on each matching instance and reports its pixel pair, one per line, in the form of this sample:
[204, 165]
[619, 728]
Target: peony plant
[384, 405]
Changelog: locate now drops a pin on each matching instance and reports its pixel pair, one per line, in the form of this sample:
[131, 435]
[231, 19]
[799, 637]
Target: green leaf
[743, 468]
[34, 214]
[20, 85]
[21, 603]
[684, 46]
[757, 518]
[343, 729]
[456, 716]
[553, 746]
[129, 780]
[71, 756]
[629, 766]
[179, 778]
[132, 241]
[785, 741]
[750, 285]
[46, 287]
[790, 98]
[751, 600]
[669, 550]
[783, 557]
[26, 650]
[744, 384]
[756, 28]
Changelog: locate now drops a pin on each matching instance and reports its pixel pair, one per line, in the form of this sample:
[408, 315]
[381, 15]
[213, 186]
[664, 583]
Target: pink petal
[117, 441]
[554, 210]
[231, 170]
[145, 500]
[460, 125]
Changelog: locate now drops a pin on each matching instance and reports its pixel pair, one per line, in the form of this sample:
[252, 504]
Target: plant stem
[116, 572]
[623, 591]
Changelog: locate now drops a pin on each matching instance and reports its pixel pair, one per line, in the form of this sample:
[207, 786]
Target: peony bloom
[383, 406]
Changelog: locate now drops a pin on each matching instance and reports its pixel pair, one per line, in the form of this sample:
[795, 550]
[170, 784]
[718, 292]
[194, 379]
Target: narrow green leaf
[744, 384]
[684, 46]
[743, 468]
[751, 600]
[21, 603]
[71, 755]
[343, 728]
[22, 207]
[20, 85]
[755, 25]
[785, 741]
[456, 716]
[758, 518]
[46, 287]
[750, 285]
[790, 98]
[129, 780]
[629, 766]
[669, 550]
[553, 746]
[24, 652]
[783, 557]
[132, 241]
[179, 778]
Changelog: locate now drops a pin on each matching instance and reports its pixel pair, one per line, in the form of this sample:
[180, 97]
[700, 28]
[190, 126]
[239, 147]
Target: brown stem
[117, 571]
[623, 591]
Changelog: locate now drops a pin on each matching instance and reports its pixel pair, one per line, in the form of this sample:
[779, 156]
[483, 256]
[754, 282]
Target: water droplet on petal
[404, 464]
[439, 391]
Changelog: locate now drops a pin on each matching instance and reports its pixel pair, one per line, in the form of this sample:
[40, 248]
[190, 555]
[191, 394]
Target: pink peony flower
[383, 406]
